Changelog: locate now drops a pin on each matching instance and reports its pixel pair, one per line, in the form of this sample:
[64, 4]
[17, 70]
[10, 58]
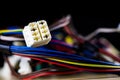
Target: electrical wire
[101, 30]
[10, 38]
[14, 30]
[41, 73]
[81, 40]
[49, 73]
[84, 64]
[47, 52]
[53, 41]
[60, 23]
[61, 58]
[48, 61]
[62, 46]
[12, 33]
[71, 66]
[29, 75]
[109, 54]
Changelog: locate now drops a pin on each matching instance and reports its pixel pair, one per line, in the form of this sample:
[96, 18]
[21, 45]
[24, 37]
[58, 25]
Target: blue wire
[13, 27]
[89, 54]
[45, 51]
[12, 33]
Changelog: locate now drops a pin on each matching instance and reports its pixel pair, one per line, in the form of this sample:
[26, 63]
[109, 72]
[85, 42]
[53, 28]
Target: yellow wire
[84, 64]
[14, 30]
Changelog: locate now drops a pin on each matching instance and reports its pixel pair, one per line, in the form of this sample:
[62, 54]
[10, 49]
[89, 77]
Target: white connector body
[36, 34]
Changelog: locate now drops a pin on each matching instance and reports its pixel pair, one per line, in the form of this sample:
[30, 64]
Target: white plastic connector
[36, 34]
[25, 67]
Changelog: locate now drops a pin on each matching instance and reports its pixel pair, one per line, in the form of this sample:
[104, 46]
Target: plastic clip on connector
[36, 34]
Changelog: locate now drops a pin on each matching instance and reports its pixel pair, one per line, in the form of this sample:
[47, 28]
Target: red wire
[49, 73]
[80, 40]
[73, 35]
[109, 54]
[52, 73]
[62, 48]
[61, 42]
[81, 69]
[77, 69]
[72, 67]
[50, 62]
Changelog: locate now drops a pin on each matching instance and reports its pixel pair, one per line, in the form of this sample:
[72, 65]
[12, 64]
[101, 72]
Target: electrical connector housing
[36, 34]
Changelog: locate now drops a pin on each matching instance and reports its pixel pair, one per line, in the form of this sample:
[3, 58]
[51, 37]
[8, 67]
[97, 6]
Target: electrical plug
[36, 34]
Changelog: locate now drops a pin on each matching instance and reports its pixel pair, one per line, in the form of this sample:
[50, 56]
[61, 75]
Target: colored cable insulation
[54, 53]
[14, 30]
[71, 66]
[83, 64]
[12, 33]
[46, 52]
[49, 73]
[53, 41]
[109, 54]
[10, 38]
[81, 40]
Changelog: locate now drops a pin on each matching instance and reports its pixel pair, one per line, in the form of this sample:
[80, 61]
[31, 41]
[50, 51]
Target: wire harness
[42, 46]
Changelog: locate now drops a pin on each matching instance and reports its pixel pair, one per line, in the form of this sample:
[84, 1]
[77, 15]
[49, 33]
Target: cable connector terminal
[36, 34]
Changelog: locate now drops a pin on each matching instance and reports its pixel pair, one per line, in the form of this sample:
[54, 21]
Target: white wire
[9, 38]
[101, 30]
[63, 22]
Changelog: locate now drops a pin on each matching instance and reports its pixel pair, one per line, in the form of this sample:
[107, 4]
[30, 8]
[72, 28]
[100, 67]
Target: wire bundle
[63, 55]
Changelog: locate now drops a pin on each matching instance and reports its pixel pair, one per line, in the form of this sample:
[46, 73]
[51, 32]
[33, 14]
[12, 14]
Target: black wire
[1, 60]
